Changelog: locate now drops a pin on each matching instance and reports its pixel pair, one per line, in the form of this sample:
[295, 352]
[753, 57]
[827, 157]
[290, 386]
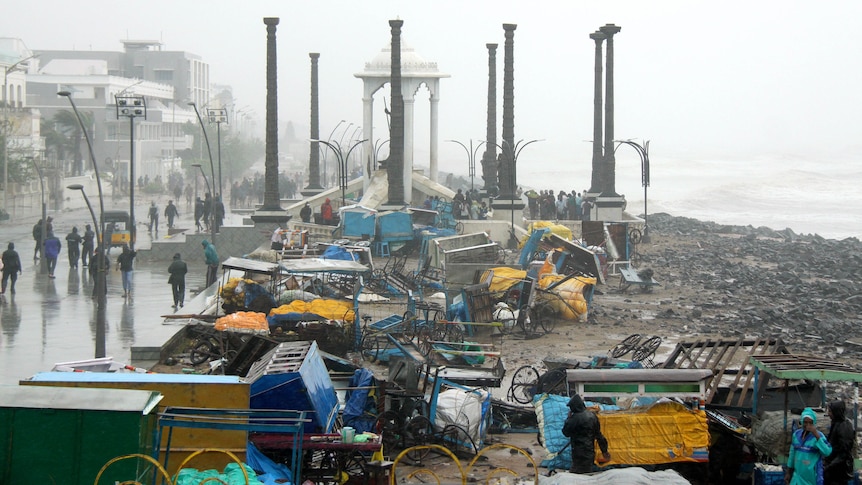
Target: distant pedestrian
[94, 268]
[37, 236]
[170, 213]
[87, 247]
[199, 212]
[11, 267]
[326, 212]
[208, 209]
[125, 264]
[188, 194]
[153, 214]
[305, 213]
[838, 466]
[219, 212]
[73, 241]
[178, 270]
[52, 252]
[211, 259]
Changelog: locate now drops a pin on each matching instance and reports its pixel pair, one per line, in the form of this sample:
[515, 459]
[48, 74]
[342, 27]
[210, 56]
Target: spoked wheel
[547, 317]
[627, 345]
[388, 426]
[425, 337]
[524, 384]
[647, 350]
[459, 228]
[203, 351]
[553, 382]
[370, 347]
[458, 440]
[418, 432]
[409, 324]
[635, 236]
[530, 326]
[354, 466]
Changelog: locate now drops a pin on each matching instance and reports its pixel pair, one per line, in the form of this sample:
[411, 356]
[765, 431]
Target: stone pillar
[507, 167]
[489, 158]
[435, 102]
[271, 211]
[409, 103]
[314, 186]
[598, 152]
[609, 204]
[395, 162]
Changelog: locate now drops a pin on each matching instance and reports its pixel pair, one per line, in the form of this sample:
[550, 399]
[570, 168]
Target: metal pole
[218, 141]
[212, 170]
[43, 266]
[132, 229]
[324, 153]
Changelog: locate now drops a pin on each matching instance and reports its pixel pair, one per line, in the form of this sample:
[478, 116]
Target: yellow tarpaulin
[252, 322]
[329, 309]
[558, 229]
[662, 433]
[503, 278]
[571, 304]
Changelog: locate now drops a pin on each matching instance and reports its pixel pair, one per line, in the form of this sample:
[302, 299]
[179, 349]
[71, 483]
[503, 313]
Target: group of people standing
[49, 246]
[204, 209]
[465, 206]
[575, 206]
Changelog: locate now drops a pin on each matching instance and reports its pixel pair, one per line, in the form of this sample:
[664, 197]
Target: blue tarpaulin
[361, 407]
[338, 252]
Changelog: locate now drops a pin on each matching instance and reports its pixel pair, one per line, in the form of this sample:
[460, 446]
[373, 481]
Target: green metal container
[66, 435]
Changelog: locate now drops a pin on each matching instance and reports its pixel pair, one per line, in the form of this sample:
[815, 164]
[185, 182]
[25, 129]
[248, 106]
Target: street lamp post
[512, 152]
[218, 116]
[212, 171]
[329, 139]
[354, 137]
[202, 174]
[131, 107]
[377, 146]
[643, 152]
[342, 163]
[100, 285]
[471, 158]
[43, 266]
[6, 71]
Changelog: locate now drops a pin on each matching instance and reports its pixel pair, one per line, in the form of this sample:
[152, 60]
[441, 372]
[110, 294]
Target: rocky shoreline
[737, 281]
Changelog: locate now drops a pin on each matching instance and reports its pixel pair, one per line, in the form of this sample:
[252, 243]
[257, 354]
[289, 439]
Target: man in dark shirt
[125, 265]
[583, 430]
[11, 267]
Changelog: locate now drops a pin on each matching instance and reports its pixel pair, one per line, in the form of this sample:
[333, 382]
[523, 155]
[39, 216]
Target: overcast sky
[701, 79]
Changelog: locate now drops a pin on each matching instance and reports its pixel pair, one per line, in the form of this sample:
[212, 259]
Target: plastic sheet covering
[503, 278]
[360, 407]
[339, 253]
[665, 432]
[288, 296]
[558, 229]
[573, 303]
[253, 291]
[628, 476]
[468, 409]
[232, 476]
[272, 473]
[247, 322]
[329, 309]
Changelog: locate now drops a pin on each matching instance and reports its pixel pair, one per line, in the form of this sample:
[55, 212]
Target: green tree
[66, 123]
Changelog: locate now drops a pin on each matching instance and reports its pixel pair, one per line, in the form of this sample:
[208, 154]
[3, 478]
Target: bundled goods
[245, 322]
[233, 292]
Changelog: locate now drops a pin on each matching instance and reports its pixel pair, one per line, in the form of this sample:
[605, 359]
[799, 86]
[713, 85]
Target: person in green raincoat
[807, 451]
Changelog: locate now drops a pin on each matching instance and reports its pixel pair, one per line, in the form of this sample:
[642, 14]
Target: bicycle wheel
[524, 384]
[547, 317]
[458, 441]
[417, 432]
[459, 228]
[635, 236]
[203, 351]
[553, 382]
[627, 345]
[425, 337]
[647, 350]
[409, 324]
[370, 347]
[354, 466]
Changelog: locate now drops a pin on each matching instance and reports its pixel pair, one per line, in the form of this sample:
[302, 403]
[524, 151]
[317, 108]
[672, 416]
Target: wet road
[53, 320]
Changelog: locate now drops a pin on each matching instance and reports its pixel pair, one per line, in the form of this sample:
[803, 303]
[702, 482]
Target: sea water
[806, 195]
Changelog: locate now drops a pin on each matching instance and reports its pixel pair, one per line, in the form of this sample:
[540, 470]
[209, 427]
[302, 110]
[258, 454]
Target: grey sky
[701, 79]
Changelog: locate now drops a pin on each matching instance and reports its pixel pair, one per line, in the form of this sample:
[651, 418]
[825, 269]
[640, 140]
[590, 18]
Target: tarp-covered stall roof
[252, 265]
[790, 366]
[318, 265]
[639, 382]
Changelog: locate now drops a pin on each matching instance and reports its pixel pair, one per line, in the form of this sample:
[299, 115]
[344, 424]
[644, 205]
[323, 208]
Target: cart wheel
[418, 431]
[425, 337]
[203, 351]
[627, 345]
[354, 466]
[409, 324]
[635, 236]
[370, 347]
[388, 426]
[458, 440]
[547, 317]
[553, 382]
[524, 384]
[647, 350]
[459, 228]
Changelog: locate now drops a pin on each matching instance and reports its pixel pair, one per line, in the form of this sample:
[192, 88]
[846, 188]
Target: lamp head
[64, 93]
[196, 165]
[75, 187]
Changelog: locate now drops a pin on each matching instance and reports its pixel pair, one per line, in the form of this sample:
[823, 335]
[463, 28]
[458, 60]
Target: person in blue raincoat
[808, 449]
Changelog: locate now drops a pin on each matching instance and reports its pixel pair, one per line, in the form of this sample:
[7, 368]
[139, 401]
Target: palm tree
[66, 123]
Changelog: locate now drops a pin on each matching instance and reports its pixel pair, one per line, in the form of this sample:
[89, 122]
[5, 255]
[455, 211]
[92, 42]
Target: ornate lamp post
[198, 166]
[43, 266]
[342, 163]
[131, 107]
[101, 289]
[513, 152]
[218, 116]
[324, 181]
[212, 171]
[643, 152]
[471, 158]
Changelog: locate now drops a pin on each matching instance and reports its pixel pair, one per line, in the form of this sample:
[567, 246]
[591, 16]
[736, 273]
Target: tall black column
[314, 154]
[395, 162]
[507, 167]
[489, 158]
[609, 170]
[270, 193]
[598, 154]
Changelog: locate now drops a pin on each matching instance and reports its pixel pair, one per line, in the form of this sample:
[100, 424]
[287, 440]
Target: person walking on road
[87, 247]
[11, 267]
[153, 214]
[584, 431]
[73, 240]
[37, 236]
[52, 252]
[199, 212]
[125, 264]
[171, 212]
[178, 270]
[211, 259]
